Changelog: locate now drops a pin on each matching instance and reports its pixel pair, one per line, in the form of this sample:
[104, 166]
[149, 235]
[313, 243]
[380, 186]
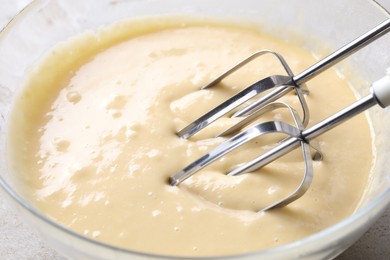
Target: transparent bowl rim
[379, 203]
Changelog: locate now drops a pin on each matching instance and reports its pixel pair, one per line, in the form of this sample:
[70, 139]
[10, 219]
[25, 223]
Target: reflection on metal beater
[298, 135]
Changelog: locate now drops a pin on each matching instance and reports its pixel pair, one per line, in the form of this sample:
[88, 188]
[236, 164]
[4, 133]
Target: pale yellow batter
[93, 140]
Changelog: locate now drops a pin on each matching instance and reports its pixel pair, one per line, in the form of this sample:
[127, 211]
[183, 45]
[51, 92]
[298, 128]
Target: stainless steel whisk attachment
[298, 135]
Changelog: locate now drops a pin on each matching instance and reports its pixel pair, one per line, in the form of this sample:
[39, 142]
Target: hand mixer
[298, 135]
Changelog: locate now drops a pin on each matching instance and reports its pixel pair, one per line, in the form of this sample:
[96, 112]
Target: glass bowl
[44, 23]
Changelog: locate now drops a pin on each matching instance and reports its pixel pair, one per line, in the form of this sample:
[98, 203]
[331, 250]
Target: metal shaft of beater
[322, 65]
[308, 134]
[343, 52]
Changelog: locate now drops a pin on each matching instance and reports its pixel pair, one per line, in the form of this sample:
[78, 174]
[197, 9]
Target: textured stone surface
[18, 241]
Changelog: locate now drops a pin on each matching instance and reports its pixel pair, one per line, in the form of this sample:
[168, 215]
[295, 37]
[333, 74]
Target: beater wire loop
[298, 135]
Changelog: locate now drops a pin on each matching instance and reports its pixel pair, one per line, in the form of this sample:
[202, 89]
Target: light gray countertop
[18, 241]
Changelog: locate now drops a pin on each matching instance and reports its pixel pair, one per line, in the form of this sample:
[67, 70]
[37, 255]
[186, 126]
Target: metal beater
[297, 135]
